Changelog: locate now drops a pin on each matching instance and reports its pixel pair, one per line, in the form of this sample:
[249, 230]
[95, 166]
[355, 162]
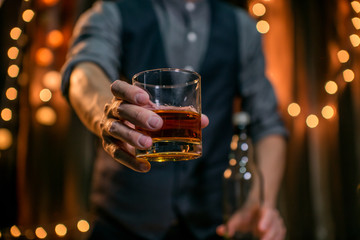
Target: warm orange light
[348, 75]
[28, 15]
[331, 87]
[55, 38]
[6, 139]
[60, 230]
[312, 121]
[83, 226]
[50, 2]
[356, 22]
[11, 93]
[6, 114]
[356, 6]
[328, 112]
[15, 231]
[13, 71]
[13, 52]
[259, 9]
[45, 95]
[227, 173]
[294, 109]
[44, 57]
[343, 56]
[52, 80]
[15, 33]
[355, 40]
[46, 116]
[232, 162]
[40, 233]
[262, 26]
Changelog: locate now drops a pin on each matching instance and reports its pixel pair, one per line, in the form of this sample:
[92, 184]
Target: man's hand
[117, 127]
[265, 223]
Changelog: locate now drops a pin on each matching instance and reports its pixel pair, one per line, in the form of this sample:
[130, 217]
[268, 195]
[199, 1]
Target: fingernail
[154, 122]
[145, 167]
[145, 141]
[141, 98]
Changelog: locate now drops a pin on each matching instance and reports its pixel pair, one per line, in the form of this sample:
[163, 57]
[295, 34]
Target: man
[177, 200]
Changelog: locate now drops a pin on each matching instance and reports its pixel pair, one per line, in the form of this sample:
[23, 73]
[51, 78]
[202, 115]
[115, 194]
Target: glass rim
[195, 81]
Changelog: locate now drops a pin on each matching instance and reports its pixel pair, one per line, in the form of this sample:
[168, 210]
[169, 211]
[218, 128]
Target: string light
[294, 109]
[28, 15]
[55, 38]
[312, 121]
[227, 173]
[44, 57]
[45, 95]
[6, 139]
[328, 112]
[356, 22]
[343, 56]
[348, 75]
[331, 87]
[262, 26]
[46, 116]
[15, 231]
[40, 233]
[259, 9]
[15, 33]
[83, 226]
[6, 114]
[60, 230]
[13, 52]
[355, 40]
[356, 6]
[13, 71]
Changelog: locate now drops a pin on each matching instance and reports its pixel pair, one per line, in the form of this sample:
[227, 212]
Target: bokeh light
[6, 139]
[356, 22]
[28, 15]
[328, 112]
[343, 56]
[45, 95]
[52, 80]
[348, 75]
[294, 109]
[312, 121]
[6, 114]
[15, 33]
[83, 226]
[40, 233]
[13, 52]
[44, 57]
[331, 87]
[60, 230]
[355, 40]
[356, 6]
[259, 9]
[11, 93]
[13, 71]
[55, 38]
[227, 173]
[232, 162]
[15, 231]
[50, 3]
[262, 26]
[46, 116]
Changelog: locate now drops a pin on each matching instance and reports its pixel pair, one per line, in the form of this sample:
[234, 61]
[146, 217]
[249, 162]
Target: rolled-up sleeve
[96, 38]
[257, 93]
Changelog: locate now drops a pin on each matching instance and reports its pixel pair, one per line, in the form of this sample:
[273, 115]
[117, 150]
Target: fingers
[129, 93]
[271, 225]
[204, 121]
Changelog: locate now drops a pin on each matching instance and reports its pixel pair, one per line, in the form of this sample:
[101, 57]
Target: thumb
[235, 223]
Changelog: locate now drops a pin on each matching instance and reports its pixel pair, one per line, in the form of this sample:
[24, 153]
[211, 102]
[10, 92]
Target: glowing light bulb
[55, 38]
[227, 173]
[328, 112]
[28, 15]
[312, 121]
[343, 56]
[232, 162]
[6, 139]
[11, 93]
[356, 6]
[60, 230]
[15, 33]
[294, 109]
[259, 9]
[83, 226]
[331, 87]
[262, 26]
[356, 22]
[348, 75]
[44, 57]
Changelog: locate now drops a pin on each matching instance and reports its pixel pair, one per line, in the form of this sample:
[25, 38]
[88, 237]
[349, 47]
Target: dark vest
[188, 191]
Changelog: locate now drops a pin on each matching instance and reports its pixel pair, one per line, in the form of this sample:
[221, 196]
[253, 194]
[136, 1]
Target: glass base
[163, 151]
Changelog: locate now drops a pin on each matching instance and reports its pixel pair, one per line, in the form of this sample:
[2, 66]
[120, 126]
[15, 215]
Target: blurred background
[313, 60]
